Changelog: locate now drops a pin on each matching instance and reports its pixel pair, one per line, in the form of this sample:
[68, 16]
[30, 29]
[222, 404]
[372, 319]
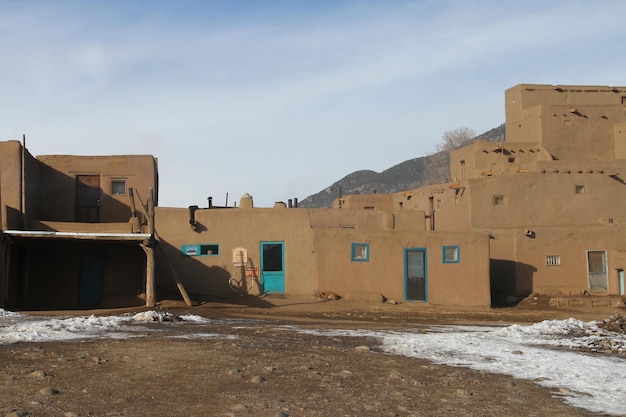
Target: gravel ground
[260, 368]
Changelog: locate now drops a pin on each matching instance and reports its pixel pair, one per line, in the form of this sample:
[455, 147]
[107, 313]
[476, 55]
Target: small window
[369, 208]
[451, 254]
[360, 252]
[499, 200]
[511, 159]
[211, 249]
[438, 204]
[579, 189]
[118, 187]
[553, 260]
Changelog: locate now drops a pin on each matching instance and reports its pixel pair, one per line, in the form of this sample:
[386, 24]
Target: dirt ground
[260, 368]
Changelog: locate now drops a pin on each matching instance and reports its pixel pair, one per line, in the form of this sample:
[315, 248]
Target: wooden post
[147, 247]
[23, 218]
[150, 295]
[149, 212]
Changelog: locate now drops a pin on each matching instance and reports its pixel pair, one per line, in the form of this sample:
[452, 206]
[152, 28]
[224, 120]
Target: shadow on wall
[202, 282]
[56, 200]
[510, 282]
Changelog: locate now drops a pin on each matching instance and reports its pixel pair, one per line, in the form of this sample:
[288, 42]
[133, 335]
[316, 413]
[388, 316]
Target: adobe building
[71, 237]
[540, 212]
[551, 196]
[75, 235]
[301, 252]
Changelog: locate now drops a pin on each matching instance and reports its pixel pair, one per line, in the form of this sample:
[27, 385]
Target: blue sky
[281, 98]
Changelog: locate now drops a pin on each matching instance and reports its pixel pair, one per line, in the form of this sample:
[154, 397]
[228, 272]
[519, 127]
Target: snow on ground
[25, 328]
[556, 353]
[540, 353]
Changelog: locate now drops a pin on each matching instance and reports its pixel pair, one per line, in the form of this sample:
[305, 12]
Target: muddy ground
[259, 368]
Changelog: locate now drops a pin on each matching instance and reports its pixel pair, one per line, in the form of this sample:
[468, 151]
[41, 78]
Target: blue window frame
[209, 249]
[360, 252]
[451, 254]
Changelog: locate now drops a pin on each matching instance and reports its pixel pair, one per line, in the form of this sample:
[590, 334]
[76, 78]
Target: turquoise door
[90, 280]
[415, 280]
[273, 267]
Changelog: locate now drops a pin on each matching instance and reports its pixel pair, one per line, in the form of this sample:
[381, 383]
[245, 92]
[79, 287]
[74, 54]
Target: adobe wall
[537, 199]
[318, 253]
[365, 202]
[462, 284]
[10, 183]
[619, 132]
[521, 264]
[450, 203]
[367, 219]
[521, 97]
[58, 184]
[569, 121]
[580, 131]
[230, 229]
[483, 158]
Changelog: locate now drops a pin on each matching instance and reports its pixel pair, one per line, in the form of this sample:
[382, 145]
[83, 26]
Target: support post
[150, 295]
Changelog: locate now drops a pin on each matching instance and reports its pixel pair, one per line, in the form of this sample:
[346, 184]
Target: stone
[38, 374]
[258, 379]
[48, 391]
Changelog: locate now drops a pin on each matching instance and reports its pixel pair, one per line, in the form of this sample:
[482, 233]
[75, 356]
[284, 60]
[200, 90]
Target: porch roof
[77, 235]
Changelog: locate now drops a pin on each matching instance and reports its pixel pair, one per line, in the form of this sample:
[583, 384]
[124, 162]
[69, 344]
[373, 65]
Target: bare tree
[457, 138]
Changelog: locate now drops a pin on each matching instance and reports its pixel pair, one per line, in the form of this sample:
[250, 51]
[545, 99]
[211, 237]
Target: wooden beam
[179, 284]
[150, 294]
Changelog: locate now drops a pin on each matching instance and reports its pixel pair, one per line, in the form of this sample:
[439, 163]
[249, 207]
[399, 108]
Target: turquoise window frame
[353, 255]
[201, 249]
[445, 259]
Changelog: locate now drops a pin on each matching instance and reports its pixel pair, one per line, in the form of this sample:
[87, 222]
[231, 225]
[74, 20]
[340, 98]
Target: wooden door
[88, 198]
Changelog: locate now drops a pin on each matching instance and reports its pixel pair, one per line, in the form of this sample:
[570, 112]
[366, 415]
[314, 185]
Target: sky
[552, 353]
[281, 98]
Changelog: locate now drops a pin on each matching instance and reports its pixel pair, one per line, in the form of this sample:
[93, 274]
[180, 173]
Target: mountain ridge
[412, 173]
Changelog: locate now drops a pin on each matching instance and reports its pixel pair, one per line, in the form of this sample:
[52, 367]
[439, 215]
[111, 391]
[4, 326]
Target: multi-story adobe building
[540, 212]
[552, 196]
[71, 237]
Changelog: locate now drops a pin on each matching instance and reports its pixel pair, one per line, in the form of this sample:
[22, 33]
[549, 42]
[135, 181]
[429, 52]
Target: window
[211, 249]
[451, 254]
[579, 189]
[553, 260]
[118, 187]
[499, 200]
[360, 252]
[511, 159]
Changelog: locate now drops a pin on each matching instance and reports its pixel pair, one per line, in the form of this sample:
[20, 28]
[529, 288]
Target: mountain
[413, 173]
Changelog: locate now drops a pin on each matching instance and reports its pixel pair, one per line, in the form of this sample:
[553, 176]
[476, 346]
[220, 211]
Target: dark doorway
[88, 198]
